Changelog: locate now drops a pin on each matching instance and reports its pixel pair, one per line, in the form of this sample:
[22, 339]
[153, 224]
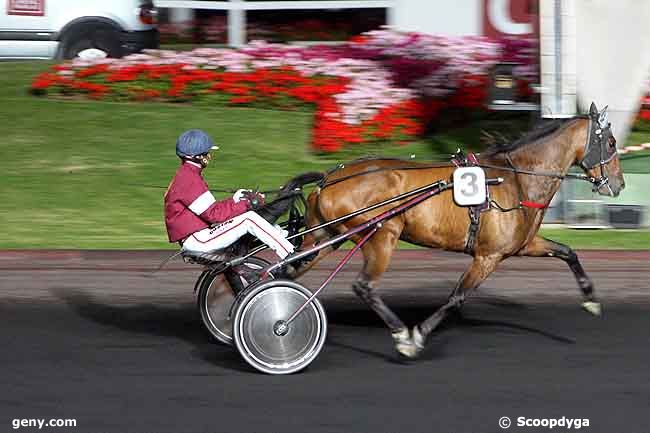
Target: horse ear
[602, 117]
[593, 111]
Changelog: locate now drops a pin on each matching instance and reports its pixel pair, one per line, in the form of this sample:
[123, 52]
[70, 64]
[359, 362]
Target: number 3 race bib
[469, 186]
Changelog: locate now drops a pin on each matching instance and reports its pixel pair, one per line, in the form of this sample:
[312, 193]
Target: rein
[516, 170]
[513, 169]
[324, 184]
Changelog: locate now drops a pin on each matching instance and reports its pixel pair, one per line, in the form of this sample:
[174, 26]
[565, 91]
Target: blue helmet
[193, 143]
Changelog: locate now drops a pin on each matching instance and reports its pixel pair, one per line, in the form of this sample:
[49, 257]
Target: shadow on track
[180, 322]
[362, 317]
[183, 322]
[472, 323]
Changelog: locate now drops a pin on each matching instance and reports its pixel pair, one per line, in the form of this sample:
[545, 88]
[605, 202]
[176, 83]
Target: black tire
[91, 35]
[217, 293]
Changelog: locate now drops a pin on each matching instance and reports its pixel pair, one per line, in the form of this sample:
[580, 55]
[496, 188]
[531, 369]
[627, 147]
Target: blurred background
[97, 92]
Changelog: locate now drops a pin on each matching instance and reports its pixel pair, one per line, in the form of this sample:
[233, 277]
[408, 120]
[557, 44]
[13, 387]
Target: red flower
[284, 87]
[242, 99]
[359, 39]
[644, 114]
[44, 80]
[239, 90]
[93, 70]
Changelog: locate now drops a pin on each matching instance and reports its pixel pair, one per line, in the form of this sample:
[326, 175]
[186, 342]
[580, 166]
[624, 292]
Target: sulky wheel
[217, 293]
[260, 337]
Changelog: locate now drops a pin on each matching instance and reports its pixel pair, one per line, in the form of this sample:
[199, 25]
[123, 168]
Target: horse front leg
[479, 270]
[542, 247]
[377, 253]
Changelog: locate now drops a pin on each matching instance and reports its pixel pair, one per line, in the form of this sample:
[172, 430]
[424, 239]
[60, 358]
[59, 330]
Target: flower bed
[383, 86]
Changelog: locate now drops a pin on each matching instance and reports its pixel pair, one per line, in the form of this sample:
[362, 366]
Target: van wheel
[99, 36]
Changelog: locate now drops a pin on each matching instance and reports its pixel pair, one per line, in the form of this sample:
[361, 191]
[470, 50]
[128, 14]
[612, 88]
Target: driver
[191, 211]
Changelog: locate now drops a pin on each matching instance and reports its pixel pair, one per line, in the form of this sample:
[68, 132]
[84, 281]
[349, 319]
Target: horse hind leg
[479, 270]
[542, 247]
[377, 253]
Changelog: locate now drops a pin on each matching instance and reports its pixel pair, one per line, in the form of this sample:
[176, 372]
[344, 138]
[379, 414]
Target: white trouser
[227, 233]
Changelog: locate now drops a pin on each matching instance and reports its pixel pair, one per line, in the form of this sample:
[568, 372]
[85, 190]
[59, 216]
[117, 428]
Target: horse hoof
[408, 351]
[407, 345]
[418, 339]
[404, 344]
[592, 307]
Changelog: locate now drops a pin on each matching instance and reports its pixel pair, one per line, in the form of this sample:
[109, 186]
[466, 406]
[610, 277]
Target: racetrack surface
[95, 336]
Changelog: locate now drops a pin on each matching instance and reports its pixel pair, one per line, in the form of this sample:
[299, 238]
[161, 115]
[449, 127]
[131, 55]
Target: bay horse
[532, 168]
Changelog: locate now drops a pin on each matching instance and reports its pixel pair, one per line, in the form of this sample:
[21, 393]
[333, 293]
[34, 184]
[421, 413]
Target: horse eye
[612, 142]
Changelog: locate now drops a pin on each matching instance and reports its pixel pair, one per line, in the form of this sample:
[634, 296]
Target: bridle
[598, 152]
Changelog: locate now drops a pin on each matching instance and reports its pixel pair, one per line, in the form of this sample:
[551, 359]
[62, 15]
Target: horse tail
[288, 194]
[301, 180]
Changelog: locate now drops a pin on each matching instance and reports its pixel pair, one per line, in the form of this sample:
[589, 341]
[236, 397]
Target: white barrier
[628, 149]
[237, 10]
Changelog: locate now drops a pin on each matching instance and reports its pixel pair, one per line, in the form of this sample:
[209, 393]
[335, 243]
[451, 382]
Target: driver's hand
[255, 199]
[260, 198]
[240, 194]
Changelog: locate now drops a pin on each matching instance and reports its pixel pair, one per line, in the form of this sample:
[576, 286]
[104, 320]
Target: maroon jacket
[190, 206]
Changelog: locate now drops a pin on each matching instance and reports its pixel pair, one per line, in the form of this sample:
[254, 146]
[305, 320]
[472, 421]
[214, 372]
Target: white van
[61, 29]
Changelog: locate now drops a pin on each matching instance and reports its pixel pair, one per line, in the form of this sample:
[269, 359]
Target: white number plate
[469, 186]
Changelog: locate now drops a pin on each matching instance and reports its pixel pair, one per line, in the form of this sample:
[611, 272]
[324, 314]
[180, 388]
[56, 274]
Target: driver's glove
[240, 194]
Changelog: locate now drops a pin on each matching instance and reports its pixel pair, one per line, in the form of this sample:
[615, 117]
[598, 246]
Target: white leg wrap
[593, 307]
[418, 338]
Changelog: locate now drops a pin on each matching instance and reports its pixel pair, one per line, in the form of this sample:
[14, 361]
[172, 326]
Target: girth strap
[474, 221]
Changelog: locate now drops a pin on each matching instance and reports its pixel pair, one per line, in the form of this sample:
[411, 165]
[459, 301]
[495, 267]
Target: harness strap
[460, 159]
[325, 183]
[533, 204]
[474, 222]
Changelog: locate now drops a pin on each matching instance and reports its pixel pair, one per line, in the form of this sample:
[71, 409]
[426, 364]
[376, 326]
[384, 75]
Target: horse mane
[540, 131]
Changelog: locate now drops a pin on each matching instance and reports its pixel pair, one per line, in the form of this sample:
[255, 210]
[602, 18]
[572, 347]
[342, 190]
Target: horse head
[600, 158]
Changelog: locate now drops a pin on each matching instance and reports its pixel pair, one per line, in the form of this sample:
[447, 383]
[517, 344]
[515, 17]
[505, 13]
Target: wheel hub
[280, 328]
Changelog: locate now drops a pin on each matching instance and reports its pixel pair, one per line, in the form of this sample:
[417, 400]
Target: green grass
[599, 239]
[87, 174]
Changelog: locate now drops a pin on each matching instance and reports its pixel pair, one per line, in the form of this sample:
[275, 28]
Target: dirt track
[415, 276]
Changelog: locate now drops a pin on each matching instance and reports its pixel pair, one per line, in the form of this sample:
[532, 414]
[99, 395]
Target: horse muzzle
[604, 186]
